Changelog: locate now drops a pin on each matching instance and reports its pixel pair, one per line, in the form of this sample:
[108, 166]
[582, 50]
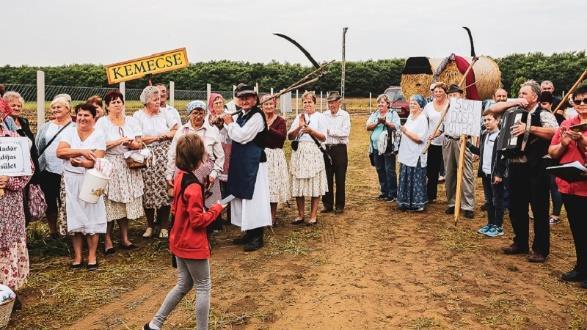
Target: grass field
[372, 267]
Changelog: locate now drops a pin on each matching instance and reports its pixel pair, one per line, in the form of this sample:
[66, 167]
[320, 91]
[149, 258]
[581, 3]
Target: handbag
[295, 144]
[136, 164]
[37, 205]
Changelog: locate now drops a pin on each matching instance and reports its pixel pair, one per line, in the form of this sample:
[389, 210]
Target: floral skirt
[279, 190]
[124, 195]
[411, 191]
[308, 174]
[14, 265]
[155, 191]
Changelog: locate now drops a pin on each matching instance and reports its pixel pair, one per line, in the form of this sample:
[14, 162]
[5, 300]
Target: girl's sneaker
[484, 229]
[494, 231]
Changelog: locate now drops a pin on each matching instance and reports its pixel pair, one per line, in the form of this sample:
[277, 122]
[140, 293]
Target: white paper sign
[15, 156]
[463, 118]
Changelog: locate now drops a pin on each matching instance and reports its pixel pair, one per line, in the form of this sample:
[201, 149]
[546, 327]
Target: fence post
[122, 89]
[172, 93]
[271, 90]
[257, 87]
[321, 102]
[208, 92]
[297, 100]
[40, 98]
[370, 103]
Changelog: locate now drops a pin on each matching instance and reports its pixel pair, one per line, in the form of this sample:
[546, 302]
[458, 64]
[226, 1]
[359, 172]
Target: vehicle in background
[398, 102]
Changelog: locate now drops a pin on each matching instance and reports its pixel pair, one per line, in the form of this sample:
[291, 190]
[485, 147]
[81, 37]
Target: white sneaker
[163, 233]
[148, 233]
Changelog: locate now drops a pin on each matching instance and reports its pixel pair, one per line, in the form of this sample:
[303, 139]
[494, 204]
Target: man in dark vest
[247, 176]
[528, 180]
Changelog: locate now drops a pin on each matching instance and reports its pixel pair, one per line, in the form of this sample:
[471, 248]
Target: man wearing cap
[338, 125]
[450, 153]
[247, 174]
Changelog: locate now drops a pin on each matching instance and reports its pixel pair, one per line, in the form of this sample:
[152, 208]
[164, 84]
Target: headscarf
[419, 99]
[5, 119]
[213, 97]
[193, 105]
[266, 97]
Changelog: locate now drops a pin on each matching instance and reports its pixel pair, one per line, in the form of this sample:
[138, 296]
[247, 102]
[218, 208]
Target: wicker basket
[5, 312]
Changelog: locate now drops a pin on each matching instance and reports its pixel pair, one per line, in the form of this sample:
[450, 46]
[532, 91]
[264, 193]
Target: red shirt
[188, 238]
[572, 154]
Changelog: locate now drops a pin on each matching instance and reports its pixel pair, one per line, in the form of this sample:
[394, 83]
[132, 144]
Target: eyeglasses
[579, 102]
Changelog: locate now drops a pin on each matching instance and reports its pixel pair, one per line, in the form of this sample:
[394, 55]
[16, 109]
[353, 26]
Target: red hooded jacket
[188, 238]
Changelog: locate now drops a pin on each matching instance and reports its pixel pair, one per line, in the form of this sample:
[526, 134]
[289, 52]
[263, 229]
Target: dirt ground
[372, 267]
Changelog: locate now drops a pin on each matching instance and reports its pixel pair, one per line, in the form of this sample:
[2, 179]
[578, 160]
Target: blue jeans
[494, 197]
[385, 166]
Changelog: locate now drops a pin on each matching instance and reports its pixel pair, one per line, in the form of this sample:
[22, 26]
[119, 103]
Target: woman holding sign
[14, 257]
[81, 146]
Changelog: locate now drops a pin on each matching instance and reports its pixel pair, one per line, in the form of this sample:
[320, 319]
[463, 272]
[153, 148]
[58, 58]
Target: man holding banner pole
[453, 149]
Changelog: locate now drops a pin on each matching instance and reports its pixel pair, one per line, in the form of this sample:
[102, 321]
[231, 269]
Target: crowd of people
[175, 173]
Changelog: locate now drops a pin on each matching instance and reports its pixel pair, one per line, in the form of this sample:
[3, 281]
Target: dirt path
[372, 267]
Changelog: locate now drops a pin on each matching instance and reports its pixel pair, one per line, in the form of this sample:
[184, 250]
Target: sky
[58, 32]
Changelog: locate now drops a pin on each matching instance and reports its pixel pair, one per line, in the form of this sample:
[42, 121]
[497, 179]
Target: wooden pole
[571, 91]
[343, 64]
[463, 145]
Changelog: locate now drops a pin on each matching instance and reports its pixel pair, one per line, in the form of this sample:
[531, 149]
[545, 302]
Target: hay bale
[413, 84]
[416, 77]
[487, 75]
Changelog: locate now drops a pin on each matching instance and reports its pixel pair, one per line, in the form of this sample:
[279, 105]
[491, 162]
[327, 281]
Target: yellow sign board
[152, 64]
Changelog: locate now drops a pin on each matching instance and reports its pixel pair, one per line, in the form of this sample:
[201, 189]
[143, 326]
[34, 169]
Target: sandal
[312, 222]
[92, 267]
[109, 251]
[298, 221]
[76, 266]
[131, 246]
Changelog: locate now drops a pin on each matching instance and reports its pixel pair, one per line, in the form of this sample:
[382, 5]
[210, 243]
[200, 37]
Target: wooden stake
[571, 91]
[463, 145]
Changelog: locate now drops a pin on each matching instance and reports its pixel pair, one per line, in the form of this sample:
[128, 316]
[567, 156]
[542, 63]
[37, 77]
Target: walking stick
[463, 145]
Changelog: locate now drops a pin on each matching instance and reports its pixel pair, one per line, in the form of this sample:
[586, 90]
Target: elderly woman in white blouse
[412, 175]
[308, 172]
[211, 168]
[51, 167]
[158, 129]
[124, 197]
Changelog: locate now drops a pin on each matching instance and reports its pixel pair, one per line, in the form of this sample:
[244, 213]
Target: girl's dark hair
[189, 152]
[87, 107]
[111, 96]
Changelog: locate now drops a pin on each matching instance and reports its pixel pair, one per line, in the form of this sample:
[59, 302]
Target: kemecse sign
[152, 64]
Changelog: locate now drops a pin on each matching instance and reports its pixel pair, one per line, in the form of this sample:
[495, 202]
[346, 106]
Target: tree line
[362, 77]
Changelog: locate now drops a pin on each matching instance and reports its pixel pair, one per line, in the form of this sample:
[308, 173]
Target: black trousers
[529, 186]
[336, 172]
[576, 207]
[433, 167]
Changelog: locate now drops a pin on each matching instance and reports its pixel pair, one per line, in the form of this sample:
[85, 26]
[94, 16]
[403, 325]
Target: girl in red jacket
[188, 240]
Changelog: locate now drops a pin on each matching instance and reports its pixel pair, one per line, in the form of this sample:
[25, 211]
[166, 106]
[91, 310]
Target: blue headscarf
[197, 104]
[419, 99]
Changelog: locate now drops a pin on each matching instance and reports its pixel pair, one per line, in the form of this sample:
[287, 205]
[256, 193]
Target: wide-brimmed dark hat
[333, 96]
[454, 89]
[244, 89]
